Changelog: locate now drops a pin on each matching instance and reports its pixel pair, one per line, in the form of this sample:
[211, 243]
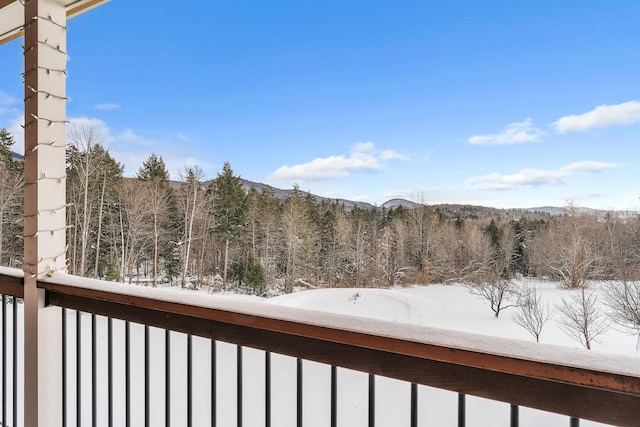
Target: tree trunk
[100, 209]
[156, 237]
[189, 234]
[123, 248]
[85, 221]
[226, 263]
[1, 231]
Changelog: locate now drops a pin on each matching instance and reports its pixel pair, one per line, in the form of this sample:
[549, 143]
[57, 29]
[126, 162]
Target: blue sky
[496, 103]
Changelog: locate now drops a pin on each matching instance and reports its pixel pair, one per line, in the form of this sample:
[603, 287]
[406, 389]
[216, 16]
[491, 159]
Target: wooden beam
[11, 17]
[78, 7]
[5, 3]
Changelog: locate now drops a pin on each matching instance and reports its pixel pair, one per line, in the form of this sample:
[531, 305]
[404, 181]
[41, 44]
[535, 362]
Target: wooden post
[44, 205]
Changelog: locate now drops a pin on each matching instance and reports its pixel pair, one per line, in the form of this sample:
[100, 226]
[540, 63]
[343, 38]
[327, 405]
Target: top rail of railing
[11, 282]
[583, 384]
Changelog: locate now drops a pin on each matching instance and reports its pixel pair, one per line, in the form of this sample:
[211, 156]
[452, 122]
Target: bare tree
[582, 319]
[135, 230]
[10, 191]
[269, 220]
[191, 203]
[465, 254]
[360, 246]
[531, 314]
[568, 250]
[623, 300]
[500, 293]
[158, 198]
[87, 160]
[391, 255]
[424, 228]
[298, 234]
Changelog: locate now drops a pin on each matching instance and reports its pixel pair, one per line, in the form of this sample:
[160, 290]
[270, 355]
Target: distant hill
[447, 209]
[283, 195]
[17, 157]
[551, 210]
[478, 212]
[396, 203]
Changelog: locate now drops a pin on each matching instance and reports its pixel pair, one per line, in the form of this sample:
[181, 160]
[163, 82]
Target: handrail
[567, 381]
[11, 282]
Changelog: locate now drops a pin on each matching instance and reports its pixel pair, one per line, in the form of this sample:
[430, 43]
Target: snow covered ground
[453, 307]
[448, 307]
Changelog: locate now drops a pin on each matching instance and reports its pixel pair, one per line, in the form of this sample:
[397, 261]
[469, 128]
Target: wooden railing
[11, 288]
[576, 383]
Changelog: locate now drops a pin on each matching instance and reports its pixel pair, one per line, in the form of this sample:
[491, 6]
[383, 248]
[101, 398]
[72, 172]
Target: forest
[219, 235]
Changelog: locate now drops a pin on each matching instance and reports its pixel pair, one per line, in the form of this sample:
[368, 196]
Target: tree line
[217, 234]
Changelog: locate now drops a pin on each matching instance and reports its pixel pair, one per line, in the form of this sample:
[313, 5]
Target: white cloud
[84, 121]
[8, 104]
[364, 147]
[107, 106]
[182, 137]
[534, 177]
[588, 166]
[131, 149]
[363, 157]
[129, 136]
[513, 133]
[625, 113]
[127, 147]
[6, 99]
[16, 130]
[99, 126]
[175, 162]
[392, 155]
[328, 167]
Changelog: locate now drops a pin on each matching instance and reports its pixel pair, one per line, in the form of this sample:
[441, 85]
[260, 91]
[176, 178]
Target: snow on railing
[556, 379]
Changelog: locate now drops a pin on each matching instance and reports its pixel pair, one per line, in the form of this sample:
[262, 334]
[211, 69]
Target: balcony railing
[118, 368]
[11, 289]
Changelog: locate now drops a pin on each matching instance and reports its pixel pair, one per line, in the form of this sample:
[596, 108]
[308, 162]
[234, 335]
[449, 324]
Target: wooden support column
[45, 61]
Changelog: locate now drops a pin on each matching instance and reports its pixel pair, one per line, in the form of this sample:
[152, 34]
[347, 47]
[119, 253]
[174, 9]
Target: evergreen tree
[153, 168]
[229, 209]
[155, 179]
[254, 275]
[6, 153]
[502, 248]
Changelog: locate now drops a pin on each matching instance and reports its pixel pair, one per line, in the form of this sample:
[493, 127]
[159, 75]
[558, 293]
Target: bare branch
[532, 314]
[583, 321]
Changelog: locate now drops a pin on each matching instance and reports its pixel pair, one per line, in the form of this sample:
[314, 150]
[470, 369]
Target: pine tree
[154, 178]
[229, 209]
[153, 168]
[6, 153]
[254, 275]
